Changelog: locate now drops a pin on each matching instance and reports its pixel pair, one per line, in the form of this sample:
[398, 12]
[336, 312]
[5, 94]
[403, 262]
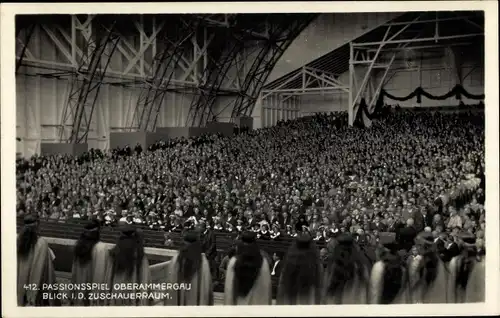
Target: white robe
[260, 294]
[457, 294]
[436, 292]
[92, 272]
[474, 293]
[199, 292]
[33, 271]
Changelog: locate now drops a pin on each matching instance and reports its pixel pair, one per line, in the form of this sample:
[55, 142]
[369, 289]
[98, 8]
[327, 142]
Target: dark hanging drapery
[458, 91]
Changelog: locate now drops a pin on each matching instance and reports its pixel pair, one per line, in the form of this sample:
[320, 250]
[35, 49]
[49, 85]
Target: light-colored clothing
[223, 266]
[260, 294]
[455, 221]
[33, 271]
[474, 293]
[377, 285]
[459, 294]
[198, 291]
[273, 272]
[93, 271]
[436, 292]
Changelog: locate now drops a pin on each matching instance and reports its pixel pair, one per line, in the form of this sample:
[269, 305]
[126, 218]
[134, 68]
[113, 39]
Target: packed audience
[408, 173]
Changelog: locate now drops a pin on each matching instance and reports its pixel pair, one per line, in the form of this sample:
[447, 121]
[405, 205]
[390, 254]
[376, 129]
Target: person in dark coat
[394, 225]
[440, 244]
[231, 219]
[252, 220]
[284, 219]
[209, 247]
[377, 225]
[451, 249]
[406, 236]
[301, 224]
[277, 265]
[422, 219]
[138, 149]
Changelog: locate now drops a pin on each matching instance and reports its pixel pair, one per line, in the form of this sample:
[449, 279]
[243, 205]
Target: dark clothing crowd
[410, 172]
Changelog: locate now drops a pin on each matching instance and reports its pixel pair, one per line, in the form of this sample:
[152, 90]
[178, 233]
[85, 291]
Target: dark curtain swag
[458, 91]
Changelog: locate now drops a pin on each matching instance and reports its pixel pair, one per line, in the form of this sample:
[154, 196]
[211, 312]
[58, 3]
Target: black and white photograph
[250, 158]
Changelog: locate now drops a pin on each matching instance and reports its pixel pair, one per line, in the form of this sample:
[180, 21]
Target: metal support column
[160, 76]
[381, 83]
[280, 37]
[350, 107]
[87, 80]
[200, 110]
[456, 64]
[277, 34]
[24, 42]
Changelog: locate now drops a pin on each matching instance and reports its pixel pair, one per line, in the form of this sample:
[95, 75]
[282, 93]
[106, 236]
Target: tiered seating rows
[73, 228]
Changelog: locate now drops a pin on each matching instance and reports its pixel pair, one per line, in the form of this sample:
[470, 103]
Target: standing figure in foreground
[89, 263]
[389, 278]
[248, 276]
[208, 247]
[128, 264]
[347, 274]
[477, 279]
[302, 274]
[191, 268]
[427, 273]
[34, 265]
[461, 267]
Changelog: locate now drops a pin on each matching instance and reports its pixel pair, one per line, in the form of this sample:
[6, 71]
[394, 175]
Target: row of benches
[73, 228]
[152, 238]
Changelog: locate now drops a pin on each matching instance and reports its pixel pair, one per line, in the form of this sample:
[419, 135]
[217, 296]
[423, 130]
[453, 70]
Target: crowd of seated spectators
[409, 172]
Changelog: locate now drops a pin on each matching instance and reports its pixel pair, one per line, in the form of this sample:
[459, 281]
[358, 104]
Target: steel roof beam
[422, 47]
[429, 39]
[201, 107]
[430, 20]
[27, 36]
[87, 80]
[261, 68]
[160, 77]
